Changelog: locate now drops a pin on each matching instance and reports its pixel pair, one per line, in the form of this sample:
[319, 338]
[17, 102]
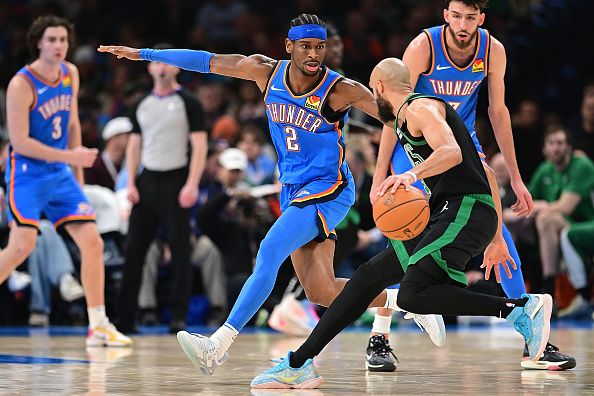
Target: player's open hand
[121, 51]
[392, 183]
[82, 156]
[524, 205]
[497, 255]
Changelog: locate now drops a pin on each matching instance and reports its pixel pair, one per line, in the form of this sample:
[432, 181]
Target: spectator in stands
[260, 166]
[583, 130]
[233, 220]
[561, 188]
[528, 130]
[107, 166]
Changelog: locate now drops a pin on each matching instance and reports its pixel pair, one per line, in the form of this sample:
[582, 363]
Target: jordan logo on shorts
[445, 207]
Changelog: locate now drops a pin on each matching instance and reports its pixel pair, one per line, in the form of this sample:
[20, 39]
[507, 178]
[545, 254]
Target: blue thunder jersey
[459, 86]
[49, 115]
[309, 147]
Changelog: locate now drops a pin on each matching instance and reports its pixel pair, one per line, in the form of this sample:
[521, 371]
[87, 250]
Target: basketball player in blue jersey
[45, 140]
[307, 106]
[450, 62]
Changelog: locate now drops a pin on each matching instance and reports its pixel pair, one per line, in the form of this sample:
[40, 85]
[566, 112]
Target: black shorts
[458, 230]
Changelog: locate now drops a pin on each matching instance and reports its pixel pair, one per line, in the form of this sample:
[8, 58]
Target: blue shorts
[51, 190]
[332, 199]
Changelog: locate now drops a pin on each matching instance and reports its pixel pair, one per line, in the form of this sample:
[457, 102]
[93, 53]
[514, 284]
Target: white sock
[224, 336]
[96, 316]
[381, 324]
[392, 296]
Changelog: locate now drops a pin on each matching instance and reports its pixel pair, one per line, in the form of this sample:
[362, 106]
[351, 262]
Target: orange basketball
[403, 215]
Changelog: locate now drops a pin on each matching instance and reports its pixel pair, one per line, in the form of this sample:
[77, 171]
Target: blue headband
[307, 31]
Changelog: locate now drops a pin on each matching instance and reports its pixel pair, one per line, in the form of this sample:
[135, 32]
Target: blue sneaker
[533, 321]
[282, 376]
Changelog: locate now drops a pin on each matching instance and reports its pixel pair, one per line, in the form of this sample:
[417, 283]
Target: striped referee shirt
[165, 123]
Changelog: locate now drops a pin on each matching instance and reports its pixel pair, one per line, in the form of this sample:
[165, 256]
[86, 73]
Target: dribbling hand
[121, 51]
[392, 183]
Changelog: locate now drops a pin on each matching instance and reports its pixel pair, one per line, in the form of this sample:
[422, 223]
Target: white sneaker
[432, 325]
[18, 281]
[107, 335]
[70, 289]
[292, 317]
[203, 352]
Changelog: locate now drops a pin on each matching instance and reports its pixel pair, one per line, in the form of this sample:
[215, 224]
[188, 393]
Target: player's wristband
[412, 174]
[186, 59]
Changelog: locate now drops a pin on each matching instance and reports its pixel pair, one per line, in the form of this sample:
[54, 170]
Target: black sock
[367, 282]
[548, 285]
[586, 293]
[508, 304]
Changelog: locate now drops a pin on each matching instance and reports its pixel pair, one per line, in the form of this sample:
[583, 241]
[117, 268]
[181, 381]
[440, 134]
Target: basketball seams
[412, 221]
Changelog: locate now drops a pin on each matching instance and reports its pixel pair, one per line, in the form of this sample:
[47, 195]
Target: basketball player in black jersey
[465, 211]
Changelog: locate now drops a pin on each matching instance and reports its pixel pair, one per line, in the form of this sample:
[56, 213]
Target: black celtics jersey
[466, 178]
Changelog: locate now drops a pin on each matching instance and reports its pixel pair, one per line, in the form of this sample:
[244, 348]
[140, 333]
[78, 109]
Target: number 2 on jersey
[57, 131]
[291, 139]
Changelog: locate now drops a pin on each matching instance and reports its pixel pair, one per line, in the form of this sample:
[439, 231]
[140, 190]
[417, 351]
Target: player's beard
[463, 44]
[385, 110]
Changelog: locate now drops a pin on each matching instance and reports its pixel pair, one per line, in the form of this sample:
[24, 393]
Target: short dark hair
[480, 4]
[307, 19]
[37, 29]
[255, 131]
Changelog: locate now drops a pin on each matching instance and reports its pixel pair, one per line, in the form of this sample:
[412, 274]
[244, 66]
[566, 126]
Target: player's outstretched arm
[254, 67]
[501, 121]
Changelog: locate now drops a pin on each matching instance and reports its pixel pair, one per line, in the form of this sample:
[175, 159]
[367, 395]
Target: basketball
[403, 215]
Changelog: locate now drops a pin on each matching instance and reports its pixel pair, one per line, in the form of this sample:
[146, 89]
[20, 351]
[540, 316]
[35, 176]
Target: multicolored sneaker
[533, 321]
[431, 324]
[380, 356]
[551, 360]
[203, 352]
[283, 376]
[293, 317]
[106, 335]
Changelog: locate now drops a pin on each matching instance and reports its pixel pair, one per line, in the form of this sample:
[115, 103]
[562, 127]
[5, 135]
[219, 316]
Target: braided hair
[307, 19]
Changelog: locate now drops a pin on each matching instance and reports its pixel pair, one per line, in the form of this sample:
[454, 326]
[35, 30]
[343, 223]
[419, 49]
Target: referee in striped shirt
[169, 143]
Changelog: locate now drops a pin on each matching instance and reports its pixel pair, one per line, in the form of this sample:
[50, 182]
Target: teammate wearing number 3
[45, 138]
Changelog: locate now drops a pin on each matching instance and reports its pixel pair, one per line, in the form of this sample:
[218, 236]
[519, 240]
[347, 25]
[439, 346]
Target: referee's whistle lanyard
[113, 172]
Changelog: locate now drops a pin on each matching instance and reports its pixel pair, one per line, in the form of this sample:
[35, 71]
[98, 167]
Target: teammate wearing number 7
[450, 61]
[307, 106]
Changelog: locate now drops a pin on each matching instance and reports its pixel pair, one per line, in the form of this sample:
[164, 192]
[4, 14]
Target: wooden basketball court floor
[474, 361]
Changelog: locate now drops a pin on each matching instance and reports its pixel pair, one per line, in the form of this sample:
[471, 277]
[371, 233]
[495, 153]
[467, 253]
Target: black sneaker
[551, 359]
[380, 357]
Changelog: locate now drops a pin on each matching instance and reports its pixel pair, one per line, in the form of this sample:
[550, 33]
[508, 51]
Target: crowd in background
[549, 87]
